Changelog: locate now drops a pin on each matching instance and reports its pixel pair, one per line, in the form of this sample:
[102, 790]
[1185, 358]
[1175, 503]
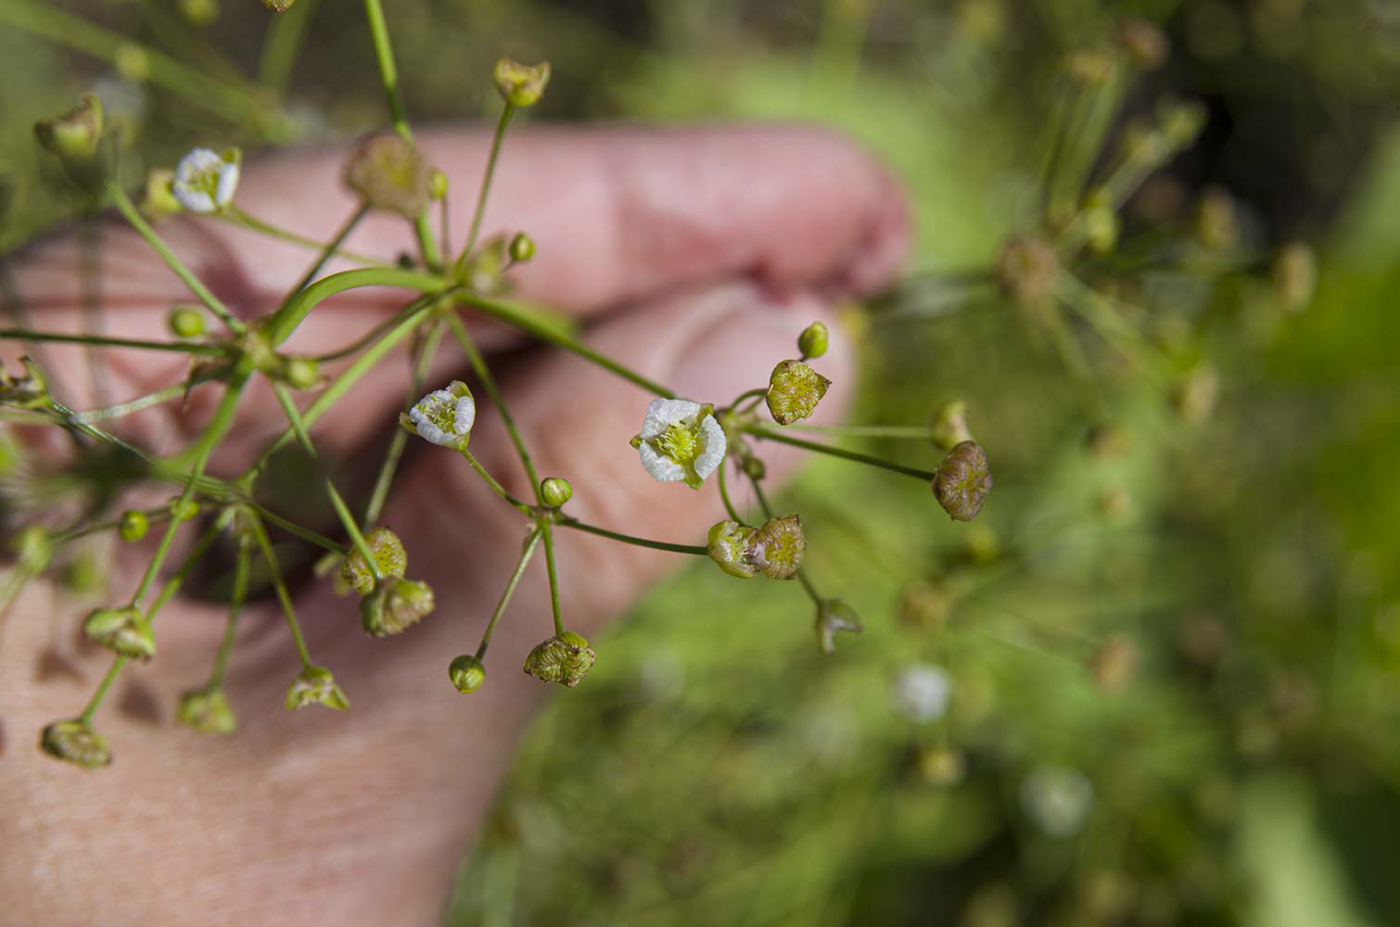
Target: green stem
[764, 433]
[422, 364]
[553, 577]
[331, 248]
[757, 393]
[913, 432]
[130, 406]
[496, 486]
[724, 497]
[233, 215]
[138, 222]
[280, 585]
[388, 72]
[485, 191]
[285, 34]
[525, 555]
[235, 608]
[342, 510]
[179, 347]
[196, 554]
[694, 549]
[488, 382]
[163, 549]
[93, 703]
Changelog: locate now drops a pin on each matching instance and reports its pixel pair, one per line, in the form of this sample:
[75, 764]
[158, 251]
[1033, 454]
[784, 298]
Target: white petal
[713, 455]
[192, 199]
[664, 469]
[662, 413]
[228, 182]
[464, 415]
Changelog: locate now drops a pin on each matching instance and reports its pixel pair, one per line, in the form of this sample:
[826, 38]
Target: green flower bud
[186, 322]
[183, 509]
[1026, 269]
[395, 606]
[794, 389]
[301, 372]
[160, 200]
[834, 616]
[437, 184]
[565, 659]
[754, 468]
[519, 84]
[466, 673]
[950, 425]
[555, 491]
[125, 631]
[729, 547]
[1145, 44]
[389, 174]
[207, 710]
[278, 6]
[522, 248]
[76, 134]
[389, 554]
[316, 685]
[75, 742]
[1295, 276]
[813, 341]
[963, 481]
[776, 549]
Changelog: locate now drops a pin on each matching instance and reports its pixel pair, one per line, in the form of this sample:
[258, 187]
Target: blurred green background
[1170, 645]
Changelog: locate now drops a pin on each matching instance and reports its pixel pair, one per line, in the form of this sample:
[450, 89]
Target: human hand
[697, 257]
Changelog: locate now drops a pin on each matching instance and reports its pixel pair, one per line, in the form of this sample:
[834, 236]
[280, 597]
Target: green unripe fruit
[466, 673]
[555, 491]
[813, 340]
[186, 322]
[302, 372]
[133, 526]
[522, 248]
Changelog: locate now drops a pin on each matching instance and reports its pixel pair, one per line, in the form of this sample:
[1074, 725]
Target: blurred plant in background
[1157, 681]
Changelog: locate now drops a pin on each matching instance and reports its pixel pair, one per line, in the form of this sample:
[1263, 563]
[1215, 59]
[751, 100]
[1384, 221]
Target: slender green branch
[388, 72]
[177, 347]
[525, 555]
[764, 433]
[280, 586]
[235, 609]
[233, 215]
[331, 247]
[697, 550]
[724, 497]
[192, 559]
[485, 190]
[342, 511]
[131, 405]
[138, 222]
[757, 393]
[548, 534]
[95, 701]
[427, 350]
[163, 549]
[912, 432]
[495, 485]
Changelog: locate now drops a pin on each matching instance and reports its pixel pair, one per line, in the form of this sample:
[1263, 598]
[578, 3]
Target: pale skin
[694, 257]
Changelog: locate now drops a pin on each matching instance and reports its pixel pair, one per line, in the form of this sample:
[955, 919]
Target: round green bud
[963, 481]
[133, 525]
[183, 509]
[389, 554]
[520, 84]
[813, 341]
[522, 248]
[186, 322]
[555, 491]
[466, 673]
[437, 184]
[754, 468]
[75, 742]
[565, 659]
[794, 389]
[302, 372]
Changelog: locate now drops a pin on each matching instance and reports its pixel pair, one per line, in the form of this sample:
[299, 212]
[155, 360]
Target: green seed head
[316, 686]
[519, 84]
[555, 491]
[565, 659]
[729, 546]
[389, 554]
[963, 481]
[794, 389]
[125, 631]
[77, 743]
[777, 548]
[466, 673]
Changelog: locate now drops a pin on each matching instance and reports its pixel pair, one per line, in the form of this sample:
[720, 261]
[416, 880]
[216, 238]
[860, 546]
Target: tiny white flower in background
[1057, 799]
[445, 416]
[680, 441]
[921, 692]
[205, 180]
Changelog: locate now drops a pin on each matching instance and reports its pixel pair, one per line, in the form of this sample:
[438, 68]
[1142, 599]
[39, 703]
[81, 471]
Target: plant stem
[96, 700]
[331, 248]
[280, 585]
[496, 486]
[196, 554]
[912, 432]
[179, 347]
[233, 215]
[488, 382]
[163, 549]
[694, 549]
[724, 497]
[285, 34]
[342, 510]
[764, 433]
[553, 577]
[235, 608]
[484, 192]
[525, 555]
[138, 222]
[130, 406]
[426, 352]
[388, 72]
[758, 392]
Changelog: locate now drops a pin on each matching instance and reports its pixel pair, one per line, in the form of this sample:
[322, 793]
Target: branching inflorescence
[681, 439]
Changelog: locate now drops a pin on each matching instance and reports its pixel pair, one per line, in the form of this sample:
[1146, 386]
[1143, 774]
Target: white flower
[205, 180]
[680, 441]
[1058, 799]
[921, 692]
[445, 416]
